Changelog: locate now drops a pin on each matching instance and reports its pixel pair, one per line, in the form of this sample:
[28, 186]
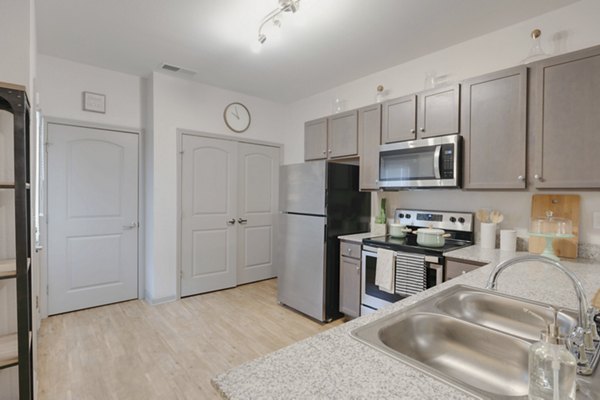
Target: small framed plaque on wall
[94, 102]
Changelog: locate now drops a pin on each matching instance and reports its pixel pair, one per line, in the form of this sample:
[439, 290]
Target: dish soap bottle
[552, 367]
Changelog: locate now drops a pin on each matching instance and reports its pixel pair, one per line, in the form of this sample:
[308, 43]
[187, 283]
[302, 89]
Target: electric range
[417, 267]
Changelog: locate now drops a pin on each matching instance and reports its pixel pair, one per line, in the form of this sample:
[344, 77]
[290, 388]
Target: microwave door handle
[436, 161]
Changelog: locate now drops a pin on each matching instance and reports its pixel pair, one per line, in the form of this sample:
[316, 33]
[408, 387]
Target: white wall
[16, 42]
[567, 29]
[60, 84]
[183, 104]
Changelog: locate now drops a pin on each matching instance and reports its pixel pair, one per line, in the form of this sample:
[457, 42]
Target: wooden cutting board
[563, 206]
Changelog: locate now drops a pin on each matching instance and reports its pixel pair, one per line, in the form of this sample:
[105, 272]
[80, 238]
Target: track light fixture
[274, 16]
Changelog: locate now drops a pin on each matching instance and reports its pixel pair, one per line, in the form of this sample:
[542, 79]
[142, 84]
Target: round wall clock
[237, 117]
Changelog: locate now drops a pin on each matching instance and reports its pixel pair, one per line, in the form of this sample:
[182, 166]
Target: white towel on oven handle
[385, 270]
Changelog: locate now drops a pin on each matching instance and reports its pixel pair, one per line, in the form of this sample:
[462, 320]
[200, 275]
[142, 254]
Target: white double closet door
[229, 207]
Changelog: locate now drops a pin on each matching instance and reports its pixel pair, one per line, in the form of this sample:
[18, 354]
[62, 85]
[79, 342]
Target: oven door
[371, 297]
[420, 163]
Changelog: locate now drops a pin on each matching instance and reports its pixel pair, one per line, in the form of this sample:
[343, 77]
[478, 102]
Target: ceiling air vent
[176, 69]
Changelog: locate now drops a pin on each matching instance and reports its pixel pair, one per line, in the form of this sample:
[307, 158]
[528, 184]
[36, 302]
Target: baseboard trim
[162, 300]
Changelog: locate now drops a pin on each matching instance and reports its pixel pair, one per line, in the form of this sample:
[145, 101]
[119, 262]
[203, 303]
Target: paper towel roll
[488, 235]
[508, 240]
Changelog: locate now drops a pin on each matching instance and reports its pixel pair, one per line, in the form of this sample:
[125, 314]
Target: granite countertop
[333, 365]
[357, 237]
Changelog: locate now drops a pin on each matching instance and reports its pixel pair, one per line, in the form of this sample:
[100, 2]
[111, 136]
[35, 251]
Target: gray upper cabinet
[494, 128]
[566, 120]
[399, 119]
[315, 139]
[438, 111]
[343, 135]
[369, 134]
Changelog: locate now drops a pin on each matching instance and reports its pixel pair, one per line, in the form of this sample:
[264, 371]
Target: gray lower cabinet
[369, 134]
[457, 267]
[399, 119]
[343, 135]
[565, 120]
[494, 129]
[350, 279]
[438, 111]
[315, 139]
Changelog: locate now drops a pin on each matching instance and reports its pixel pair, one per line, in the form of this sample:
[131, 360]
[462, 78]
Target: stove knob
[407, 215]
[452, 219]
[461, 220]
[400, 215]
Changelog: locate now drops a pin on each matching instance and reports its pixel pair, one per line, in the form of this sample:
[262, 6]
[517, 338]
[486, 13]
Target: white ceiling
[325, 44]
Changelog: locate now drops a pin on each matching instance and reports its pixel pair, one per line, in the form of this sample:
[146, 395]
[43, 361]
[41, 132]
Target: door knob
[231, 221]
[133, 225]
[242, 220]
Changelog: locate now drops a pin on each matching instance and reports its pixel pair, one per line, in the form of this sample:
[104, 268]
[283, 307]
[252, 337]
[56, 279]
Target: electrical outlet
[597, 220]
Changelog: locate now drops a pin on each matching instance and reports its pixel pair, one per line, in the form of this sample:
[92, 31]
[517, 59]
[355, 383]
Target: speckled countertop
[357, 237]
[333, 365]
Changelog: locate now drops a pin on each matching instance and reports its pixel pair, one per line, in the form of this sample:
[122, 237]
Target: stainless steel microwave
[424, 163]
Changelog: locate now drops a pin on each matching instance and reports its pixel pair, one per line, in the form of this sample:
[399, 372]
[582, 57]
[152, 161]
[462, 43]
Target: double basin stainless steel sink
[474, 339]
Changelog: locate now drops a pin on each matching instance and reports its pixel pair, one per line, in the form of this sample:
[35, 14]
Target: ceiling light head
[289, 5]
[262, 38]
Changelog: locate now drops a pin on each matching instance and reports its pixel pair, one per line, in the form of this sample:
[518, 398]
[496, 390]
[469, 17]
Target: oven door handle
[439, 272]
[436, 161]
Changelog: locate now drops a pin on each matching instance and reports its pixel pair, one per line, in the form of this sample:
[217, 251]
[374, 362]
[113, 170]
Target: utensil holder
[488, 235]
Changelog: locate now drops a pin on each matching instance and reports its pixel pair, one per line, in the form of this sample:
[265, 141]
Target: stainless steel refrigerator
[319, 201]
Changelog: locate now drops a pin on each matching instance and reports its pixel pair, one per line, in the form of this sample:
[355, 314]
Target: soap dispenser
[552, 367]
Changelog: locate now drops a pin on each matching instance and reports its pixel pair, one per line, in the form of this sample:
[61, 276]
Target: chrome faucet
[583, 342]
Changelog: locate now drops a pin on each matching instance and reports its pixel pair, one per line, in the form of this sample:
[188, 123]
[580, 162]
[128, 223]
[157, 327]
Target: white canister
[488, 235]
[508, 240]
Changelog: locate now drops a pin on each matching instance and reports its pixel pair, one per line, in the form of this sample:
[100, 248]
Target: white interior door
[92, 217]
[258, 205]
[209, 213]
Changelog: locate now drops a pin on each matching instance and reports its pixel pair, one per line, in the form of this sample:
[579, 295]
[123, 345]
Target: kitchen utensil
[483, 215]
[562, 206]
[496, 217]
[430, 237]
[398, 230]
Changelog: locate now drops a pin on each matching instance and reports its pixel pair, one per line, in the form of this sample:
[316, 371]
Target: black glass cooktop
[409, 244]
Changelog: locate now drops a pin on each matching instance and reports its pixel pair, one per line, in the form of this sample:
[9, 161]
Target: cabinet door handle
[231, 221]
[538, 177]
[521, 178]
[412, 130]
[133, 225]
[242, 220]
[422, 129]
[358, 268]
[349, 251]
[329, 150]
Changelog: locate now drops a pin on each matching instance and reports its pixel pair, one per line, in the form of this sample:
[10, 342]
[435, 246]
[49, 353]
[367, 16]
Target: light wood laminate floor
[133, 350]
